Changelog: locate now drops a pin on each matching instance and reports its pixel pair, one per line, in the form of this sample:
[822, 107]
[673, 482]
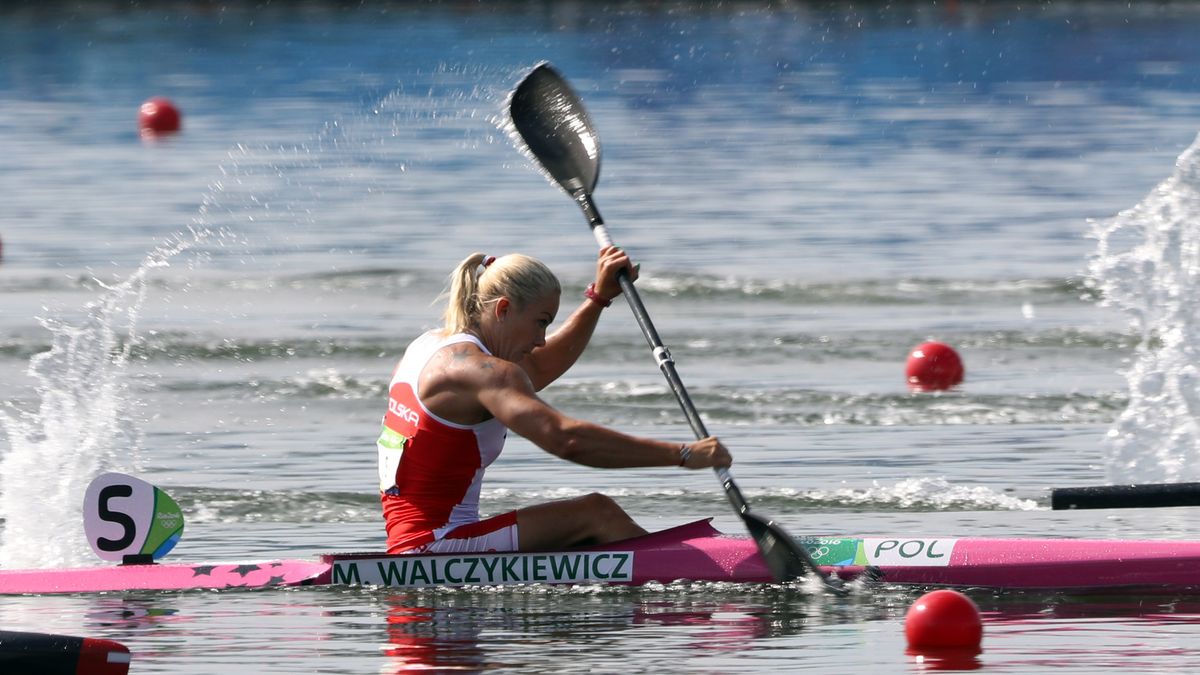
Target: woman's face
[519, 330]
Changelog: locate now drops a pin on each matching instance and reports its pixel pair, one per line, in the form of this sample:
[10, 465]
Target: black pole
[1134, 496]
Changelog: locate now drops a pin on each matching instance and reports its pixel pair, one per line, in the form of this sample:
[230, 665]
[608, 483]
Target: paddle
[1134, 496]
[555, 128]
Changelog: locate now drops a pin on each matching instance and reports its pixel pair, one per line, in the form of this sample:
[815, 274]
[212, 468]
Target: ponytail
[480, 280]
[462, 306]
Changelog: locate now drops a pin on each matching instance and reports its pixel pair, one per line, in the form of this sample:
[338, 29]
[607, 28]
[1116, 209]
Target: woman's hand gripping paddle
[555, 128]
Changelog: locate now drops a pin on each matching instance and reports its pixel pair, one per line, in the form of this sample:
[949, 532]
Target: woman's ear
[503, 305]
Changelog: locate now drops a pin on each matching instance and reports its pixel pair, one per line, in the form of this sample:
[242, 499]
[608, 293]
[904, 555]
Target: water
[1147, 265]
[811, 191]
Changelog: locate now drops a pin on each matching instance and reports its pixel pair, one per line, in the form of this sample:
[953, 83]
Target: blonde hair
[473, 287]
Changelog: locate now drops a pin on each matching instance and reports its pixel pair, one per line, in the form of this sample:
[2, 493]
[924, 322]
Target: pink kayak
[163, 577]
[698, 552]
[695, 551]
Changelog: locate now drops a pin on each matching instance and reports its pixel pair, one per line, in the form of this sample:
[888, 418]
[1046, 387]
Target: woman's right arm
[506, 391]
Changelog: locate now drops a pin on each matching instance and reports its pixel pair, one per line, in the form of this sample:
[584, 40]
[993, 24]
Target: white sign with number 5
[126, 516]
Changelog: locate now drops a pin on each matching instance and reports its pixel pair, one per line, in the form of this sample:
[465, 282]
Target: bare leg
[590, 519]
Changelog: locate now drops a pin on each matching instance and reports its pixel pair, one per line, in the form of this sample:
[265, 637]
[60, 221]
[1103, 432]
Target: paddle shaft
[1142, 495]
[784, 556]
[552, 122]
[662, 355]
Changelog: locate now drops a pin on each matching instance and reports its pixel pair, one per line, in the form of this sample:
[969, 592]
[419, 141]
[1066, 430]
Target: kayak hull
[694, 551]
[698, 552]
[23, 652]
[162, 577]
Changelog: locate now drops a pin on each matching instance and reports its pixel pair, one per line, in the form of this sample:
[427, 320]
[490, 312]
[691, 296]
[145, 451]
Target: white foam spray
[86, 419]
[84, 423]
[1147, 264]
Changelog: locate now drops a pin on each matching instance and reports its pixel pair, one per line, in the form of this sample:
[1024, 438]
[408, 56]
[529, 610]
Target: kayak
[163, 577]
[22, 652]
[696, 552]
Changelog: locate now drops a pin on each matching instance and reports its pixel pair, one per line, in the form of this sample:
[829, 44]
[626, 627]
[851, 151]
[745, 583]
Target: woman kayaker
[457, 391]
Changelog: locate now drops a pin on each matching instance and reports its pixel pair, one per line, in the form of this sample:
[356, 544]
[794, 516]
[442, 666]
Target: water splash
[924, 494]
[86, 420]
[274, 203]
[1147, 264]
[84, 423]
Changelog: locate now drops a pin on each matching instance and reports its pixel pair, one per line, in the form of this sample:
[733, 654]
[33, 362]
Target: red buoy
[943, 619]
[933, 366]
[158, 116]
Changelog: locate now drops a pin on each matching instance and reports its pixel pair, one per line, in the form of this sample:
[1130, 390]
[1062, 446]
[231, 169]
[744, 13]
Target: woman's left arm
[564, 346]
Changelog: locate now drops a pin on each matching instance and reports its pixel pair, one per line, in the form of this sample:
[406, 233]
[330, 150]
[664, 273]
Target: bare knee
[599, 504]
[608, 520]
[591, 519]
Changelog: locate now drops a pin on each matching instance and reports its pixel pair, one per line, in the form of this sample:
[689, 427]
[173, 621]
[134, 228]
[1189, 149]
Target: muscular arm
[563, 347]
[466, 386]
[509, 395]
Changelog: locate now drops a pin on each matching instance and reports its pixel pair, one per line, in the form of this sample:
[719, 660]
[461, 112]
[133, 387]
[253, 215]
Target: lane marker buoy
[158, 116]
[943, 619]
[933, 366]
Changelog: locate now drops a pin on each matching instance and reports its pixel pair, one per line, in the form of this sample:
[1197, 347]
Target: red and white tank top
[430, 469]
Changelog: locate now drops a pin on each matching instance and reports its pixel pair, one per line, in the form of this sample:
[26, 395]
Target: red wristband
[591, 294]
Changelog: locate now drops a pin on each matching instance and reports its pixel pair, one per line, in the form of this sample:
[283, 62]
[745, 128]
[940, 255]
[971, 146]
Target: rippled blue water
[811, 191]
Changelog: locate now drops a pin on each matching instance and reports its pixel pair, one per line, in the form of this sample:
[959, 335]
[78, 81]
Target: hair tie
[488, 260]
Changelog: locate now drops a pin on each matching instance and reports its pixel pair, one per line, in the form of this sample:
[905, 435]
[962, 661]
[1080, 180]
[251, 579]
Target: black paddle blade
[555, 127]
[786, 559]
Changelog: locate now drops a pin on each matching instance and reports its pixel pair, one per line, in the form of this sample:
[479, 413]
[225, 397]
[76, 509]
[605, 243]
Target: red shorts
[498, 533]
